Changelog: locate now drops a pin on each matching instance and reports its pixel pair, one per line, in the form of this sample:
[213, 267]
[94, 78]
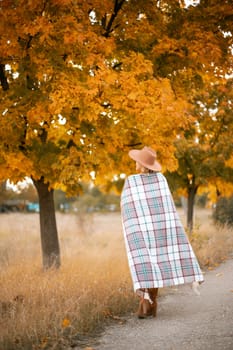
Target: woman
[158, 250]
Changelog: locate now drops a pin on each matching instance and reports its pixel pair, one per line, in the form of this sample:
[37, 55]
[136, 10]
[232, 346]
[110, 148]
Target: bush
[223, 212]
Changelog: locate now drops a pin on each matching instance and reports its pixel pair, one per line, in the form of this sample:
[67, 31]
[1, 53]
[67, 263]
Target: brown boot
[153, 293]
[143, 308]
[147, 306]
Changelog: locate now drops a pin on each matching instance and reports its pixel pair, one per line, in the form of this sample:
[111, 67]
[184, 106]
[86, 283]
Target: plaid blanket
[158, 250]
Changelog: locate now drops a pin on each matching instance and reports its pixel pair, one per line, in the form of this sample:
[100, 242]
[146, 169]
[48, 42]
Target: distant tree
[28, 193]
[5, 192]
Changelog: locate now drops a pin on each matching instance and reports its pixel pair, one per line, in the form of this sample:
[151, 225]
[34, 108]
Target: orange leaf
[65, 323]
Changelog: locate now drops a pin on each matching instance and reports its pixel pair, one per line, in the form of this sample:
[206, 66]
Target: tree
[205, 152]
[83, 81]
[201, 71]
[5, 193]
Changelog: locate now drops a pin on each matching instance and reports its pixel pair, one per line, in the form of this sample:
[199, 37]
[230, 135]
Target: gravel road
[185, 321]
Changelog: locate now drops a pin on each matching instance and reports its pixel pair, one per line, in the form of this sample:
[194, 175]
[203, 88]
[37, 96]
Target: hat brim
[135, 155]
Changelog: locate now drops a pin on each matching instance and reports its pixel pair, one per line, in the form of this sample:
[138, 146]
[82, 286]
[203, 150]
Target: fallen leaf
[65, 323]
[219, 274]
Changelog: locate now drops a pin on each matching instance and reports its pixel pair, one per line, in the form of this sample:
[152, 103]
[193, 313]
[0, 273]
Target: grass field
[56, 309]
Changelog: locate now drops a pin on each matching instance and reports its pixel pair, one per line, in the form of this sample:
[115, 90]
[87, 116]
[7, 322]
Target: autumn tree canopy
[84, 81]
[74, 92]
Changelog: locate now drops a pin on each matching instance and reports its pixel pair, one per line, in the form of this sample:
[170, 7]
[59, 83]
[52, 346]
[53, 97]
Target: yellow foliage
[229, 162]
[98, 72]
[224, 188]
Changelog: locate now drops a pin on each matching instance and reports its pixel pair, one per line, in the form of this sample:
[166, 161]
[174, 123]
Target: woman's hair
[148, 171]
[145, 170]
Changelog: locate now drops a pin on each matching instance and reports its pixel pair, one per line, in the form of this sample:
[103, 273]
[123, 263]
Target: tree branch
[3, 79]
[133, 144]
[218, 133]
[108, 28]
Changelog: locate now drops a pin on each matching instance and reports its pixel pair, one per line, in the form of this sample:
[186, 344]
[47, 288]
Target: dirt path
[185, 321]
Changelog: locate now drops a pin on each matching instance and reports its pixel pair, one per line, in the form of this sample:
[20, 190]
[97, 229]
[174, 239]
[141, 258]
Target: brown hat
[146, 157]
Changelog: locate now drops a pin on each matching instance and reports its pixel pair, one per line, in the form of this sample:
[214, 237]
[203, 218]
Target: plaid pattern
[158, 249]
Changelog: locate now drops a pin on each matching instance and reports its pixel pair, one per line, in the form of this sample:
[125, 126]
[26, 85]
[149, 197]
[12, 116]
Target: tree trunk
[192, 190]
[48, 227]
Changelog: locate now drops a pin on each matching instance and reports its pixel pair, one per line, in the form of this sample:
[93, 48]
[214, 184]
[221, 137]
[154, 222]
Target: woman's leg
[148, 302]
[153, 293]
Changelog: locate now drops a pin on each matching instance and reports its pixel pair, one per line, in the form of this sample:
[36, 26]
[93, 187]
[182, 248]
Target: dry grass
[54, 310]
[212, 243]
[50, 310]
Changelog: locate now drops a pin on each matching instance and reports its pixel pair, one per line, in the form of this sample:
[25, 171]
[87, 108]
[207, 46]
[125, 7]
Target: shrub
[223, 212]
